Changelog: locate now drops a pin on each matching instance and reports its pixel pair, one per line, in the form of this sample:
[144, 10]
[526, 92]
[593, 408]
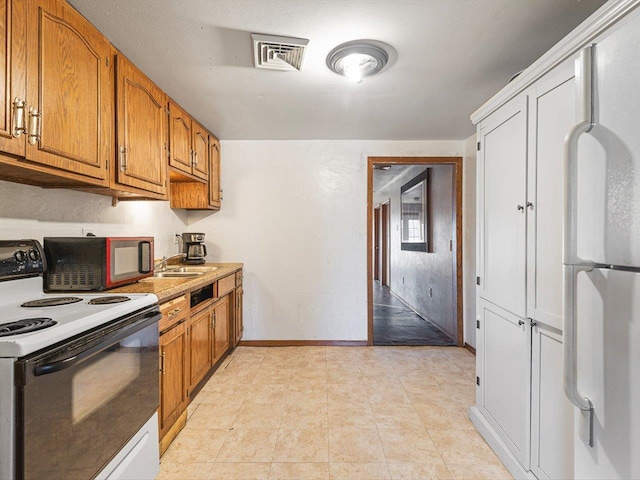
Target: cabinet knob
[520, 322]
[530, 205]
[521, 208]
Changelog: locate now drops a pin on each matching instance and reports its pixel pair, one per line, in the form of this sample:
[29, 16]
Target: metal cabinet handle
[174, 312]
[162, 359]
[195, 159]
[123, 158]
[584, 77]
[521, 208]
[18, 125]
[221, 194]
[530, 205]
[520, 322]
[34, 125]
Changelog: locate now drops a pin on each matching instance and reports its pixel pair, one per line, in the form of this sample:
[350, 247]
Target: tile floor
[339, 413]
[396, 324]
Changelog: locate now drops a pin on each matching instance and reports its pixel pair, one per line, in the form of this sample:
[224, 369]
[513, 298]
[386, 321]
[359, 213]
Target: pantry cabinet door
[551, 411]
[551, 116]
[501, 206]
[142, 130]
[12, 74]
[504, 376]
[68, 82]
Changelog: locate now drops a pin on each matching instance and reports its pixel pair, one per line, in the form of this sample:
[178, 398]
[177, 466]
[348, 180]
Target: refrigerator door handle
[584, 77]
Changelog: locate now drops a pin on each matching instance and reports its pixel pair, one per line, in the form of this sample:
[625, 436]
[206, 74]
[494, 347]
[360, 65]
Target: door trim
[456, 162]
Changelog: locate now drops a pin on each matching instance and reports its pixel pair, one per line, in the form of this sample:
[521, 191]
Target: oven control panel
[21, 258]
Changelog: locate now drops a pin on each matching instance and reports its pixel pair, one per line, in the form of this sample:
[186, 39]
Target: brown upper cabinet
[141, 117]
[197, 195]
[12, 80]
[58, 96]
[189, 146]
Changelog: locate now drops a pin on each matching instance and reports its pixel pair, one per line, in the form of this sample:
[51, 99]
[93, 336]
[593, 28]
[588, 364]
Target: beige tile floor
[339, 413]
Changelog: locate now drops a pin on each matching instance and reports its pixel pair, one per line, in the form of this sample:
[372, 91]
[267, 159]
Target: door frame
[376, 246]
[385, 251]
[456, 162]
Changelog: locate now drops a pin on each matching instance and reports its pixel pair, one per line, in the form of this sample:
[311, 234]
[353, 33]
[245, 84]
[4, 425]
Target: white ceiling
[450, 57]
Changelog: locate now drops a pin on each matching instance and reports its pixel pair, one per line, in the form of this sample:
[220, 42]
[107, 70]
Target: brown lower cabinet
[192, 343]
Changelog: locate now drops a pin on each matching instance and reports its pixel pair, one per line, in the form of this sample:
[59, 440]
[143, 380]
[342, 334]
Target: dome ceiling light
[357, 59]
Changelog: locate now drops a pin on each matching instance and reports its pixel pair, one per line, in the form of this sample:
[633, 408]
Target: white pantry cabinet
[520, 397]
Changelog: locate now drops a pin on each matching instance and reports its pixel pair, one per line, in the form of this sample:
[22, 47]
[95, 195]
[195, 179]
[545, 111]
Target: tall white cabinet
[521, 409]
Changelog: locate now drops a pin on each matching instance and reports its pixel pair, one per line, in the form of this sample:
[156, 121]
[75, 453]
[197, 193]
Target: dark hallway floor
[395, 324]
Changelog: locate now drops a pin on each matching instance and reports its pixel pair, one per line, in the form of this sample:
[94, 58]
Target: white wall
[413, 273]
[32, 212]
[469, 239]
[295, 213]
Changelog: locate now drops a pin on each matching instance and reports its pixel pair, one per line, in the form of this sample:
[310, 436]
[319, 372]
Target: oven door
[80, 403]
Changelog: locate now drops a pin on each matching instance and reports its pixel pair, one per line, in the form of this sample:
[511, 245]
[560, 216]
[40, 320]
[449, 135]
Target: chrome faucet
[161, 265]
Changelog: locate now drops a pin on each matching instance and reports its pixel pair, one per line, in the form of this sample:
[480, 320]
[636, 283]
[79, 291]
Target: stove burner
[51, 302]
[108, 300]
[25, 326]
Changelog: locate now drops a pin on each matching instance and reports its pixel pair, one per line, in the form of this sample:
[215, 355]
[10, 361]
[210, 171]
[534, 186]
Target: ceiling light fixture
[357, 59]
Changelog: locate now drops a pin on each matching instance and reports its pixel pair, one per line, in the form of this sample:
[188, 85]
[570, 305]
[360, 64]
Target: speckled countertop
[166, 288]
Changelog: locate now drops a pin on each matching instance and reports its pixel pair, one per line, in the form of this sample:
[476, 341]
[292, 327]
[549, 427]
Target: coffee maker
[194, 248]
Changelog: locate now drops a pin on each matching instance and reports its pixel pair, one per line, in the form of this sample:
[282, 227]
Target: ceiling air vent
[278, 53]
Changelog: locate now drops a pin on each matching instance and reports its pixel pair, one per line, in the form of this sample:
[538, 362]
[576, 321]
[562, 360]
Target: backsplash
[33, 212]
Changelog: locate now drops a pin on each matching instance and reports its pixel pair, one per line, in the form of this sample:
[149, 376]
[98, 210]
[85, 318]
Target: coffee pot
[194, 248]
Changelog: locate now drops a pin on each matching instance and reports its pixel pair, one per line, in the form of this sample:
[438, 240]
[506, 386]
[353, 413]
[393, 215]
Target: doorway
[412, 299]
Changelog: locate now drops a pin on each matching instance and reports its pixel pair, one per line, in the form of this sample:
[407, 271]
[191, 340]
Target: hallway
[396, 324]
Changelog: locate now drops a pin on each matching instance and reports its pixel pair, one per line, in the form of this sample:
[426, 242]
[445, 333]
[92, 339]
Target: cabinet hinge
[478, 146]
[477, 280]
[478, 381]
[478, 324]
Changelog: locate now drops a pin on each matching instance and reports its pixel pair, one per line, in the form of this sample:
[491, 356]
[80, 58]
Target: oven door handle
[108, 341]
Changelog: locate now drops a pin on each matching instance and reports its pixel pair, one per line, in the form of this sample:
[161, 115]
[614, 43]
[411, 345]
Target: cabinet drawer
[226, 284]
[173, 311]
[239, 278]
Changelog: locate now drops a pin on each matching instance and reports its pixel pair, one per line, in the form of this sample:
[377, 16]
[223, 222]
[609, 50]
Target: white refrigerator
[602, 257]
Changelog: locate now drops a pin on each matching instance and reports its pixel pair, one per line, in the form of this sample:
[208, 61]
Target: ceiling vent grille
[278, 53]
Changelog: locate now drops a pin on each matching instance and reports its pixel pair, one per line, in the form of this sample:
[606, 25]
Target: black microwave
[96, 263]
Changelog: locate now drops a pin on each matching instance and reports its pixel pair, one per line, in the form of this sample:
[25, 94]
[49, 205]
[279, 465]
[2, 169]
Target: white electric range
[83, 367]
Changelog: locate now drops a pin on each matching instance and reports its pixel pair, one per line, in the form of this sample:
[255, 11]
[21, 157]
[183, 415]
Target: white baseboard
[498, 446]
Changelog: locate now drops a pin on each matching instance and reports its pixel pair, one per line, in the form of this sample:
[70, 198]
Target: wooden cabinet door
[221, 315]
[214, 173]
[174, 377]
[180, 133]
[200, 340]
[200, 144]
[504, 349]
[68, 82]
[238, 321]
[502, 202]
[142, 130]
[12, 76]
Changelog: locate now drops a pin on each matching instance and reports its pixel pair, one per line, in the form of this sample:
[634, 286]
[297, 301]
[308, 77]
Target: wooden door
[384, 244]
[180, 132]
[200, 338]
[142, 130]
[221, 315]
[174, 376]
[12, 74]
[200, 145]
[502, 188]
[376, 244]
[215, 196]
[69, 83]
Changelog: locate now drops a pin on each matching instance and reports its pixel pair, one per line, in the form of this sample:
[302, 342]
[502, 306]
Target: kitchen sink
[177, 274]
[192, 269]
